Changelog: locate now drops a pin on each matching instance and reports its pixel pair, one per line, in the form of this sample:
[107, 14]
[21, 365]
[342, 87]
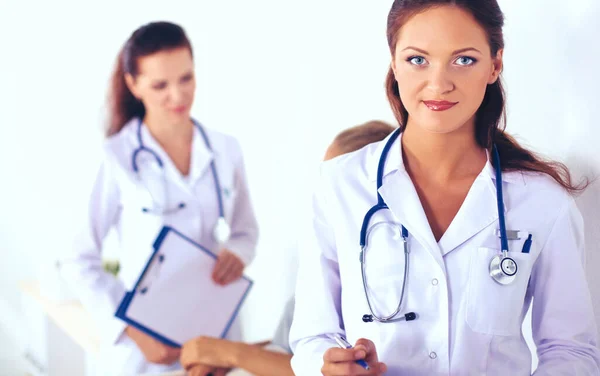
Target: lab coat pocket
[493, 308]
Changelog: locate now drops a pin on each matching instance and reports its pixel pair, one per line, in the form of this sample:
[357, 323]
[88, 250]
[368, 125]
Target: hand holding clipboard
[175, 298]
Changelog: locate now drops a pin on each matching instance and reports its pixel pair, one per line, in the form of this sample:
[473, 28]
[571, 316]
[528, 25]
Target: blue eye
[465, 61]
[416, 60]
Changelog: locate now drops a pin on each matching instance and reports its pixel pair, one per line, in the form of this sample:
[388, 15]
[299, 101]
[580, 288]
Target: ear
[393, 66]
[131, 85]
[496, 67]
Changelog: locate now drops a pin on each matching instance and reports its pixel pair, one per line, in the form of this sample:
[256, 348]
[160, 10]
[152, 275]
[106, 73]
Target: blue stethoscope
[222, 231]
[503, 269]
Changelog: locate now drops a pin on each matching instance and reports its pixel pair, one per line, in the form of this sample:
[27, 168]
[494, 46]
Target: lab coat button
[432, 355]
[434, 281]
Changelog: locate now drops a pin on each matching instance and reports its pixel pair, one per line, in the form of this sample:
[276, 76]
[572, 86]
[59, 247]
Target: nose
[177, 94]
[440, 81]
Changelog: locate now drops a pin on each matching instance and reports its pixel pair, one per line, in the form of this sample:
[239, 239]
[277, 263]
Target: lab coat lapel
[201, 158]
[401, 197]
[478, 211]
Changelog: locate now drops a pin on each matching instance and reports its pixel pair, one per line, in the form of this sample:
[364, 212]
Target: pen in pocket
[527, 245]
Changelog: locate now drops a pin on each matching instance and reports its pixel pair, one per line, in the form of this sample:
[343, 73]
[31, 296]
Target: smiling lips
[439, 105]
[179, 109]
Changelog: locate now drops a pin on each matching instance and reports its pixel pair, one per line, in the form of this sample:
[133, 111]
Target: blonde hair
[357, 137]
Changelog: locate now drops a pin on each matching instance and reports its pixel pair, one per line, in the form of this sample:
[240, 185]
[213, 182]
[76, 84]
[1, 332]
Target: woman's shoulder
[358, 164]
[539, 184]
[117, 149]
[117, 140]
[223, 143]
[540, 195]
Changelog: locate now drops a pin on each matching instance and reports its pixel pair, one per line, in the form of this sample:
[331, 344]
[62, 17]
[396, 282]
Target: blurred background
[282, 76]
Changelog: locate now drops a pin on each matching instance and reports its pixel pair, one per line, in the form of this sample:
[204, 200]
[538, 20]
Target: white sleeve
[99, 292]
[244, 228]
[564, 328]
[281, 338]
[318, 304]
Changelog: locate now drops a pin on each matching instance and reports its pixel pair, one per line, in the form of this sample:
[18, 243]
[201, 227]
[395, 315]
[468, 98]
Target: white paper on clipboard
[176, 297]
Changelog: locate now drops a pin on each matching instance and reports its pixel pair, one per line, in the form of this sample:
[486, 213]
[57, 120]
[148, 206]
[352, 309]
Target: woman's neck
[442, 157]
[167, 132]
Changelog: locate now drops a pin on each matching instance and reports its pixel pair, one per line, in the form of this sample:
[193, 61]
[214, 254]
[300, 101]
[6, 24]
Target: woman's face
[165, 84]
[443, 65]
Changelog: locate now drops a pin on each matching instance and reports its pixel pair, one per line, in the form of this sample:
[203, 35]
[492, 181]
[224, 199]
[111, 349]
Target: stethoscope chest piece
[503, 269]
[222, 231]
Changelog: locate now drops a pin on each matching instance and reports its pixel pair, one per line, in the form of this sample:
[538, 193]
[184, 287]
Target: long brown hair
[146, 40]
[490, 118]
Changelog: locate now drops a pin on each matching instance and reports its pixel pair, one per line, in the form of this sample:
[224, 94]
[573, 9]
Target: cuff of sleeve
[308, 356]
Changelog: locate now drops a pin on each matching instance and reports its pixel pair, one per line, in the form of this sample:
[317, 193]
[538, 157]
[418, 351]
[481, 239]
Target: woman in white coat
[427, 249]
[160, 168]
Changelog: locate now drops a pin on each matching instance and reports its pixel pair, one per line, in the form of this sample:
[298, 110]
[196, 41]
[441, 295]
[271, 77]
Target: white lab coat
[117, 200]
[467, 323]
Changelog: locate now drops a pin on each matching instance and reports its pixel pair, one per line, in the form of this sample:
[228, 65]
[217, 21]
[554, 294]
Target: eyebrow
[162, 81]
[453, 53]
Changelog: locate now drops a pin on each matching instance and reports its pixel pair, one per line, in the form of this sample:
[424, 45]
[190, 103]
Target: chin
[178, 116]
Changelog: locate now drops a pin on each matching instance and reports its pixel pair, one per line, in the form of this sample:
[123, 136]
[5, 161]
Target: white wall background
[268, 70]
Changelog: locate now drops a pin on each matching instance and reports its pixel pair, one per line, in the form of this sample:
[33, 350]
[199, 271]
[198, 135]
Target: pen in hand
[341, 341]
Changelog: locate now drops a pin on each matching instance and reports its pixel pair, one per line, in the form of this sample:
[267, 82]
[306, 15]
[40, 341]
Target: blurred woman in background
[160, 167]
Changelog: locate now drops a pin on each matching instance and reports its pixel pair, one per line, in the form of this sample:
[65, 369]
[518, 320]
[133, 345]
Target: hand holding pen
[347, 360]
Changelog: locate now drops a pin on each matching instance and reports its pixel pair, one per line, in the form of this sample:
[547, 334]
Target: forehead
[442, 29]
[166, 63]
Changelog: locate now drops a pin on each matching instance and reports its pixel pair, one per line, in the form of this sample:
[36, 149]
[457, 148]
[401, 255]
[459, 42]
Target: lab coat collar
[513, 177]
[200, 158]
[395, 162]
[478, 211]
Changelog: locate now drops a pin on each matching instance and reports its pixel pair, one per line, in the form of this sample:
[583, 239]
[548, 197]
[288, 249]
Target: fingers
[352, 369]
[228, 268]
[220, 372]
[192, 351]
[188, 357]
[220, 267]
[200, 370]
[335, 355]
[340, 362]
[234, 273]
[369, 348]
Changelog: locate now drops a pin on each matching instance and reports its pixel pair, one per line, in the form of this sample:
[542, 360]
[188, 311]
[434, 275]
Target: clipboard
[175, 299]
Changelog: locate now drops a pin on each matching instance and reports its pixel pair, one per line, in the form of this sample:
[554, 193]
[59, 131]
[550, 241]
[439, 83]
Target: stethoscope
[503, 269]
[222, 231]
